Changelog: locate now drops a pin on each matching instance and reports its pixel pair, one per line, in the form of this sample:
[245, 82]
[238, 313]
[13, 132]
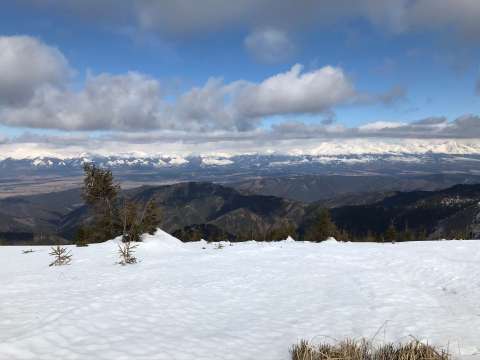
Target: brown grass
[365, 350]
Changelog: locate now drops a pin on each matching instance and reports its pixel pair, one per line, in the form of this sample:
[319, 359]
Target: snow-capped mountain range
[340, 148]
[333, 147]
[217, 167]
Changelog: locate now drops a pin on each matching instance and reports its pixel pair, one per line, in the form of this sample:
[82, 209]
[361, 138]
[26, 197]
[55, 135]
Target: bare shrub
[61, 255]
[364, 350]
[137, 221]
[126, 251]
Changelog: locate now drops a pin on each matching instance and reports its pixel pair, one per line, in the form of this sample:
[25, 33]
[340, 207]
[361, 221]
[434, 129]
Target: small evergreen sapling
[126, 251]
[61, 255]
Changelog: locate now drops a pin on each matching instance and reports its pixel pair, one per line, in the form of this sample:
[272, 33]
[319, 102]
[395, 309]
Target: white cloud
[241, 105]
[107, 102]
[294, 92]
[464, 127]
[269, 45]
[27, 65]
[380, 125]
[39, 95]
[134, 101]
[206, 108]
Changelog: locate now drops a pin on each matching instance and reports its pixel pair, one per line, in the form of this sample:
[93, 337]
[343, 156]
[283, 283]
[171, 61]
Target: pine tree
[370, 237]
[129, 216]
[407, 234]
[100, 193]
[343, 235]
[322, 228]
[391, 233]
[422, 235]
[151, 217]
[110, 217]
[82, 236]
[136, 222]
[281, 233]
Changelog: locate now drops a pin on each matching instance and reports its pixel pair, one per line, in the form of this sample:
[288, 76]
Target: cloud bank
[40, 96]
[438, 135]
[180, 18]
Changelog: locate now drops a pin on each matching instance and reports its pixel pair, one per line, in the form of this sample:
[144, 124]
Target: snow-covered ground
[245, 301]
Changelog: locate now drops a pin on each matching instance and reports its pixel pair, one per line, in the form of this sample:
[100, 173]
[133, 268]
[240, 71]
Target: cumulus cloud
[296, 92]
[269, 45]
[106, 102]
[40, 96]
[134, 102]
[241, 105]
[27, 65]
[206, 108]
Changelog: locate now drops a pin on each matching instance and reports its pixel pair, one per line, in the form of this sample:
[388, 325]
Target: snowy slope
[245, 301]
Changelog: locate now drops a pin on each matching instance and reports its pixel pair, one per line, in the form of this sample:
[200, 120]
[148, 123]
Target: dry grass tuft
[364, 350]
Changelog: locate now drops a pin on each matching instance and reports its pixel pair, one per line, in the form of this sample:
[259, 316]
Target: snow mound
[161, 241]
[330, 241]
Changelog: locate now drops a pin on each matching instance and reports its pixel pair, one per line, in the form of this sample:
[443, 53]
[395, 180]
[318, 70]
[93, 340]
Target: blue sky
[425, 65]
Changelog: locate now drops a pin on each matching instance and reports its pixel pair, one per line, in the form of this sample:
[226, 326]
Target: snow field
[245, 301]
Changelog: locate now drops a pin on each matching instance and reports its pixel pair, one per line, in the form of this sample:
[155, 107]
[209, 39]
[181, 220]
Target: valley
[202, 210]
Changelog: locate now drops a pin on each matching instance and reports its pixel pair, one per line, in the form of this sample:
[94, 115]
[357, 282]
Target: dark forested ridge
[338, 190]
[195, 210]
[449, 213]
